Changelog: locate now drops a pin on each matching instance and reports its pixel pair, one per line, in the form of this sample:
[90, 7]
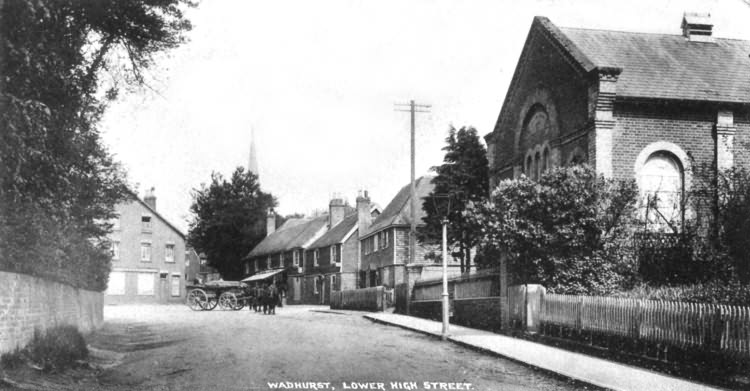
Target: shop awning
[263, 275]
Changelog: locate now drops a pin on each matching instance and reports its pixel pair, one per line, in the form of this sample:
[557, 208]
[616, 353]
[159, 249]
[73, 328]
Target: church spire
[252, 163]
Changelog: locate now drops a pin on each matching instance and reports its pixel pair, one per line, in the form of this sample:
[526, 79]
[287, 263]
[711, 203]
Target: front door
[297, 289]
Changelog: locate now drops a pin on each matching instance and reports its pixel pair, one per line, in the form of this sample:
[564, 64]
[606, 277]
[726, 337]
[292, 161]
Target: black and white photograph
[336, 195]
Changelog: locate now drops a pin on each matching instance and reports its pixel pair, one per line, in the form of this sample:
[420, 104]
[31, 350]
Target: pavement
[595, 371]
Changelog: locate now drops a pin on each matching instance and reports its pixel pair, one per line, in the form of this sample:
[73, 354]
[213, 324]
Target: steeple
[252, 163]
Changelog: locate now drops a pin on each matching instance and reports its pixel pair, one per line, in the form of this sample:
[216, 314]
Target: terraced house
[148, 255]
[281, 253]
[384, 241]
[633, 105]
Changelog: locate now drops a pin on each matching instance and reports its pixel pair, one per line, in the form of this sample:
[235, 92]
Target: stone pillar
[725, 131]
[601, 106]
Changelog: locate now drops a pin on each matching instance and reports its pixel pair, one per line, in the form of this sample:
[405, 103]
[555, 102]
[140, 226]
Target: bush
[570, 231]
[56, 349]
[712, 292]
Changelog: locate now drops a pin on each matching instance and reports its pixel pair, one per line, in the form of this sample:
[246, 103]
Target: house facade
[281, 253]
[148, 255]
[633, 105]
[384, 241]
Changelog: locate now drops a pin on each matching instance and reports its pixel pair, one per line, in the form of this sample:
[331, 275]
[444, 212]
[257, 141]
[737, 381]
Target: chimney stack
[270, 222]
[697, 27]
[336, 210]
[150, 198]
[364, 216]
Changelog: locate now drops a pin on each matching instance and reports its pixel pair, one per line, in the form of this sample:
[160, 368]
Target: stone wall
[28, 303]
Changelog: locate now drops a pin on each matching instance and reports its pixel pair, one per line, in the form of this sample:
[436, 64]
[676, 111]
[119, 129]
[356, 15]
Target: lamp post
[442, 204]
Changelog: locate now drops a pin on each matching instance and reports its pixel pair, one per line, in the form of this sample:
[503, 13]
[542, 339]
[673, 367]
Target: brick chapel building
[632, 105]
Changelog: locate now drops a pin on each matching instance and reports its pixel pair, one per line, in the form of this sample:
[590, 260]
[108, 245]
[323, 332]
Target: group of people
[266, 298]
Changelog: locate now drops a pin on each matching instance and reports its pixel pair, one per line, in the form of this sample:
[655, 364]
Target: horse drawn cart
[227, 295]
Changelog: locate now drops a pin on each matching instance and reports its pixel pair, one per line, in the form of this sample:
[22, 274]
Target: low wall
[366, 299]
[479, 313]
[28, 303]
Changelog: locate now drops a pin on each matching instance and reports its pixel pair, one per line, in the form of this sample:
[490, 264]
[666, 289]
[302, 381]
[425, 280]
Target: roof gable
[398, 211]
[338, 233]
[155, 213]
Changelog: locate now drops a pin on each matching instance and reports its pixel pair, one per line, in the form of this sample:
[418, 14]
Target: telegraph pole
[413, 108]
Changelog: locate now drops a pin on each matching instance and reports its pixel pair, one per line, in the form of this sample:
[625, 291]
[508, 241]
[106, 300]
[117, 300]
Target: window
[316, 281]
[334, 254]
[116, 283]
[146, 284]
[333, 283]
[537, 166]
[247, 268]
[385, 239]
[268, 262]
[295, 257]
[115, 250]
[204, 261]
[145, 252]
[175, 285]
[529, 163]
[255, 265]
[375, 243]
[316, 255]
[661, 184]
[169, 253]
[146, 223]
[545, 160]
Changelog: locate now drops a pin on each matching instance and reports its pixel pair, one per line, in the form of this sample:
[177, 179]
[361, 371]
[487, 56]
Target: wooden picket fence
[710, 327]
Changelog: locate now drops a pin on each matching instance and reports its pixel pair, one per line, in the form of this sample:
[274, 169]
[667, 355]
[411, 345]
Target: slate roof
[398, 211]
[289, 237]
[338, 233]
[662, 66]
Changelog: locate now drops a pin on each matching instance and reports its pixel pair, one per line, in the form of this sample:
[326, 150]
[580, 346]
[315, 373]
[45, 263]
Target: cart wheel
[240, 304]
[197, 300]
[227, 301]
[211, 303]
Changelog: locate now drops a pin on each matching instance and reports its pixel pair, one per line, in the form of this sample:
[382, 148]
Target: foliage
[713, 292]
[720, 202]
[56, 349]
[570, 231]
[58, 184]
[464, 175]
[229, 220]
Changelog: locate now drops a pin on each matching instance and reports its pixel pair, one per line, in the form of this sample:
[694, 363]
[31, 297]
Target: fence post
[504, 303]
[534, 294]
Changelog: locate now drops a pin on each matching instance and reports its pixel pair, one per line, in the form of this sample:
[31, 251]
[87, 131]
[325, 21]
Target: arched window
[529, 164]
[661, 185]
[537, 166]
[545, 160]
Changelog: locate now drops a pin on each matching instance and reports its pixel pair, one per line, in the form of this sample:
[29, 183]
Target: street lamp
[442, 204]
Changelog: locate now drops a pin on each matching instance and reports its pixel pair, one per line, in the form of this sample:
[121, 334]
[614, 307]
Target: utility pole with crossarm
[413, 108]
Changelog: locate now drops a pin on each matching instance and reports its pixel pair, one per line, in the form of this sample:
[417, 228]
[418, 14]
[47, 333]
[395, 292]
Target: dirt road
[174, 348]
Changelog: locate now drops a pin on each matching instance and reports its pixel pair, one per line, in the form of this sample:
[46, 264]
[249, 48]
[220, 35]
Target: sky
[318, 81]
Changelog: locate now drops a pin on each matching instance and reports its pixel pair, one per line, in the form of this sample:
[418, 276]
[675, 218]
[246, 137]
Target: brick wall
[637, 126]
[543, 77]
[28, 303]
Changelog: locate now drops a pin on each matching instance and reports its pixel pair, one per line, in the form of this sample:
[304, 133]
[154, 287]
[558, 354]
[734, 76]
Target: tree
[464, 176]
[570, 231]
[58, 184]
[229, 220]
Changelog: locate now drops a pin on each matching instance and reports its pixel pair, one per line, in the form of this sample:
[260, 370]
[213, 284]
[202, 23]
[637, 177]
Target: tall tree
[58, 184]
[464, 177]
[228, 218]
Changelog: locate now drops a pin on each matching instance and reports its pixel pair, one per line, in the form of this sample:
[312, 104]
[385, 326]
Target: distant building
[148, 255]
[282, 251]
[384, 243]
[632, 105]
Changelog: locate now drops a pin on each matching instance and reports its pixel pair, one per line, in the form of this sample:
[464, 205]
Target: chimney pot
[270, 221]
[150, 198]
